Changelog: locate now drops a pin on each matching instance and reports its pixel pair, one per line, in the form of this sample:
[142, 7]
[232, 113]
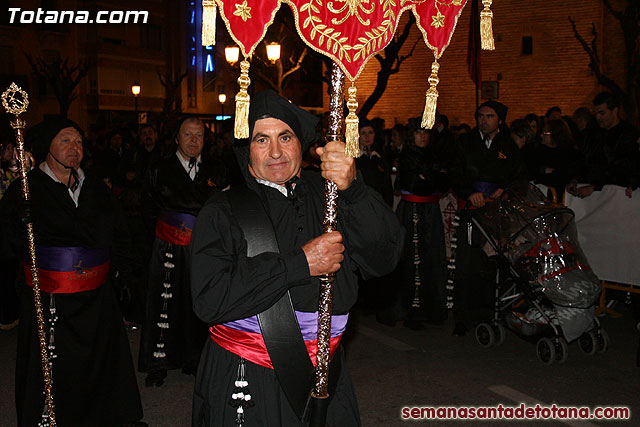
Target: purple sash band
[69, 258]
[308, 324]
[178, 219]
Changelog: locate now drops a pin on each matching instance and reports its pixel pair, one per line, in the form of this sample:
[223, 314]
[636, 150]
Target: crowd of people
[157, 223]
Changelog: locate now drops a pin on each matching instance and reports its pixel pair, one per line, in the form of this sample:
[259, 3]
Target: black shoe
[460, 330]
[156, 378]
[414, 325]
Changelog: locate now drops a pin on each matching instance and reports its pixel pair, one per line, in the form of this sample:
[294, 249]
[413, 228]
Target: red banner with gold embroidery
[348, 31]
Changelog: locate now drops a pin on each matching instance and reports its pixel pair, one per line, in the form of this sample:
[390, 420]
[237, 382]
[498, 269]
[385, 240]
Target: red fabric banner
[350, 32]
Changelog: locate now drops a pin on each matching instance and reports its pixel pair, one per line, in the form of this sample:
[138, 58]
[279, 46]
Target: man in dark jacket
[80, 240]
[487, 161]
[611, 154]
[234, 285]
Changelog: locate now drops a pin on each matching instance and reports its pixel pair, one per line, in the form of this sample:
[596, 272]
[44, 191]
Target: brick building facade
[555, 73]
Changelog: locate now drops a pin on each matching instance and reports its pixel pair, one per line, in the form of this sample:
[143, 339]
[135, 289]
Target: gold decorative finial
[15, 100]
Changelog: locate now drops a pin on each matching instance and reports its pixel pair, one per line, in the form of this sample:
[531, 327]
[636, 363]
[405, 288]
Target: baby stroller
[545, 290]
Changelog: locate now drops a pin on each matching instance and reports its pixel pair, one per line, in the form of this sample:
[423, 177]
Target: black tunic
[227, 285]
[421, 271]
[93, 377]
[169, 188]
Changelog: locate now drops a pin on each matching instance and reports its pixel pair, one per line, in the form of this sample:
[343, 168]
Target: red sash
[175, 227]
[431, 198]
[67, 270]
[250, 345]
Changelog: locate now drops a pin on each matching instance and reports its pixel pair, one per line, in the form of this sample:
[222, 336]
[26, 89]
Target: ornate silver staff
[16, 101]
[335, 132]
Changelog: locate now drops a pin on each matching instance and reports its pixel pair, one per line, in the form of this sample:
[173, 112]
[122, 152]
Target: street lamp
[222, 98]
[231, 54]
[135, 90]
[273, 52]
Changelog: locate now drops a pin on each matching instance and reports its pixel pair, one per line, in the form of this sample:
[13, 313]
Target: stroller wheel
[588, 342]
[485, 335]
[562, 350]
[602, 340]
[499, 333]
[546, 351]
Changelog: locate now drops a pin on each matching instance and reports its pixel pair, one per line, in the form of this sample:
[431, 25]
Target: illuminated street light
[135, 90]
[273, 52]
[222, 98]
[231, 54]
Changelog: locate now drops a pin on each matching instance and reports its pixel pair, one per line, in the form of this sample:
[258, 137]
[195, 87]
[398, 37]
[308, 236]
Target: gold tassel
[352, 133]
[208, 22]
[241, 128]
[429, 116]
[486, 30]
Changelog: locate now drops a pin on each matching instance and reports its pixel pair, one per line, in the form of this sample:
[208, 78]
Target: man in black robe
[230, 287]
[80, 241]
[421, 271]
[487, 161]
[175, 190]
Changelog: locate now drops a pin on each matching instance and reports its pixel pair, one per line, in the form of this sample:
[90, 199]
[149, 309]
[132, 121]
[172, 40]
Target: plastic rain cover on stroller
[540, 241]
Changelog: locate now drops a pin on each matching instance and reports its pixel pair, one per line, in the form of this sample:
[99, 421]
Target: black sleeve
[228, 285]
[373, 235]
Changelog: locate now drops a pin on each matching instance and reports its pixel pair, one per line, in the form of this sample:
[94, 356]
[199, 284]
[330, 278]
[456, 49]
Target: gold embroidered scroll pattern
[337, 44]
[243, 11]
[354, 10]
[438, 18]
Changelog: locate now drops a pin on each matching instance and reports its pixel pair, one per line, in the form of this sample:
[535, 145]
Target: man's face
[367, 135]
[605, 117]
[66, 146]
[148, 137]
[421, 137]
[191, 139]
[274, 154]
[488, 120]
[116, 141]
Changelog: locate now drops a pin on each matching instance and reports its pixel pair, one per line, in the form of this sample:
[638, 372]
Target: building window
[151, 37]
[527, 45]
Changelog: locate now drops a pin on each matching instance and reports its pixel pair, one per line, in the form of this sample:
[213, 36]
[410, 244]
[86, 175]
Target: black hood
[39, 136]
[267, 104]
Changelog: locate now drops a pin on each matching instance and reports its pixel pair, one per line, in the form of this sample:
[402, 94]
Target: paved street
[396, 367]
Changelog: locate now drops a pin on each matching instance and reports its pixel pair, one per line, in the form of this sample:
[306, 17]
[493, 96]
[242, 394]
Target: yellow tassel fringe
[352, 134]
[429, 116]
[208, 22]
[243, 100]
[486, 30]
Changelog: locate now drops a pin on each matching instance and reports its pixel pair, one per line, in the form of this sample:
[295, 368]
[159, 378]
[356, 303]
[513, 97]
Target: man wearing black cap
[257, 253]
[79, 243]
[175, 190]
[486, 162]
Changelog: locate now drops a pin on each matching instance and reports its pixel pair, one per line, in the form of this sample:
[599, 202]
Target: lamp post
[135, 90]
[273, 52]
[222, 98]
[232, 54]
